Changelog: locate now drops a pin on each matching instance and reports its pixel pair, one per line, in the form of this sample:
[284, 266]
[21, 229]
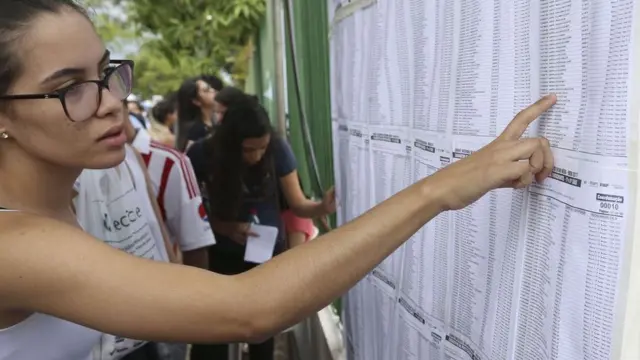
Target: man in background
[178, 196]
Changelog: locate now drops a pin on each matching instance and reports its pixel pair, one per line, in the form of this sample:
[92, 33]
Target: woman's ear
[196, 102]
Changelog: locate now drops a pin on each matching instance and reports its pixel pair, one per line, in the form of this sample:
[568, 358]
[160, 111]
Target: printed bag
[109, 208]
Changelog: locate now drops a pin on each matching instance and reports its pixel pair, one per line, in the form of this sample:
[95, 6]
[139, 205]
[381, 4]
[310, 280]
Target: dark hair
[163, 109]
[172, 97]
[138, 105]
[213, 81]
[15, 17]
[188, 112]
[244, 119]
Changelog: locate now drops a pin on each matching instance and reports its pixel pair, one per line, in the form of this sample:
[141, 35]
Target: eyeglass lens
[82, 101]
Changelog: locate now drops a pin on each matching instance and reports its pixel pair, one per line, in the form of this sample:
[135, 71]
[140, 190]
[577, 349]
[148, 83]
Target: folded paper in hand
[260, 248]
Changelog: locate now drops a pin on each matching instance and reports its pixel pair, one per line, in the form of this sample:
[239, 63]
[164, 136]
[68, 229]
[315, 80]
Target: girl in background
[163, 118]
[246, 167]
[225, 98]
[299, 230]
[195, 112]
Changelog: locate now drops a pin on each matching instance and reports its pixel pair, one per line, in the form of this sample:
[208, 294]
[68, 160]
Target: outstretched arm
[53, 268]
[50, 267]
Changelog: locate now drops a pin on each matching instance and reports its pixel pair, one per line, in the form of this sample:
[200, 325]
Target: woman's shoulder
[20, 226]
[284, 158]
[40, 255]
[30, 243]
[279, 142]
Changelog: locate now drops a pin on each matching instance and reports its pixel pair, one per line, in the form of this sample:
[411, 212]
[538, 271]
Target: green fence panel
[310, 29]
[310, 32]
[267, 65]
[296, 138]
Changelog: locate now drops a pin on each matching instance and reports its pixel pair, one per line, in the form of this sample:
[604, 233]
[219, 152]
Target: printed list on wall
[530, 274]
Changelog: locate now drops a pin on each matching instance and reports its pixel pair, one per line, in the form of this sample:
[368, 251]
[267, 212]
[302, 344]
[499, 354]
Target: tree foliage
[213, 32]
[179, 39]
[157, 75]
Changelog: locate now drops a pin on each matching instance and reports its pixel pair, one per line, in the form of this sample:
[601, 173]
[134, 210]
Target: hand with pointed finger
[509, 161]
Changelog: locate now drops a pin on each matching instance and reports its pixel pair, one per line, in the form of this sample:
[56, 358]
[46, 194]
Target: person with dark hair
[164, 116]
[245, 167]
[195, 111]
[299, 230]
[215, 82]
[166, 113]
[61, 111]
[136, 114]
[135, 107]
[224, 98]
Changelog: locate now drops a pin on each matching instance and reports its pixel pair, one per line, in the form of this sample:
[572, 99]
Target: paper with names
[359, 322]
[485, 241]
[391, 152]
[422, 298]
[445, 77]
[529, 273]
[358, 170]
[574, 243]
[341, 161]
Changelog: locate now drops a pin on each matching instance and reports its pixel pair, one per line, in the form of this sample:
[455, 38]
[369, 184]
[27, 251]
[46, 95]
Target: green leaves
[180, 38]
[214, 30]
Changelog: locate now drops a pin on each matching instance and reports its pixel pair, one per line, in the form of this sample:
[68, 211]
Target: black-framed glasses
[82, 100]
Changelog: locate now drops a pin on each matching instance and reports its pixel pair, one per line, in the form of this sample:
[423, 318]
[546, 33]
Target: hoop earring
[4, 135]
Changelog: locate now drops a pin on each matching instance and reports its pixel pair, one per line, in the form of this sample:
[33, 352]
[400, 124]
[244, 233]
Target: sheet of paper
[574, 246]
[424, 286]
[259, 249]
[358, 187]
[586, 58]
[391, 151]
[529, 274]
[382, 315]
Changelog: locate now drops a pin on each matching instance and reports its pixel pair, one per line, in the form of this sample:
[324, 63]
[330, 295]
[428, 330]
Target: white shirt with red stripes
[177, 192]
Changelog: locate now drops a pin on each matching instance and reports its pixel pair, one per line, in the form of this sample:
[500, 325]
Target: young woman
[298, 229]
[60, 112]
[224, 98]
[195, 112]
[164, 115]
[249, 173]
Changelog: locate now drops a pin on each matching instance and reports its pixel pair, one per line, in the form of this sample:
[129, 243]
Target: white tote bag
[109, 208]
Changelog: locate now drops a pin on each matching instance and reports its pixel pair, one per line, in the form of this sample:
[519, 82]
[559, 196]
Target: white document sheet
[259, 248]
[537, 273]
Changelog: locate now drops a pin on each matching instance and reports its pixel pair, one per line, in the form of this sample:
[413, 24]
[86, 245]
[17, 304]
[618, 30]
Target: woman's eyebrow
[68, 72]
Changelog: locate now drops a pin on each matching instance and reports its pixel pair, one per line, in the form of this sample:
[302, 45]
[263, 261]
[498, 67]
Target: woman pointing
[60, 112]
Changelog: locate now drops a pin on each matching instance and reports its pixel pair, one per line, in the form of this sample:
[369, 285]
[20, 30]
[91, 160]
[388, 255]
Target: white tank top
[44, 337]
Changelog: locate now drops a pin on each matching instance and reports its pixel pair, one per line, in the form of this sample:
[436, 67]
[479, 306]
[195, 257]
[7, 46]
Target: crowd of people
[213, 140]
[124, 235]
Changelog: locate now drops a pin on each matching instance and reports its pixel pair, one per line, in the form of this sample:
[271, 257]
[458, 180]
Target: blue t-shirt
[266, 202]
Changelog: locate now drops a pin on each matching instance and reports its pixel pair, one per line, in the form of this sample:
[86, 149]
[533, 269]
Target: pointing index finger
[519, 124]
